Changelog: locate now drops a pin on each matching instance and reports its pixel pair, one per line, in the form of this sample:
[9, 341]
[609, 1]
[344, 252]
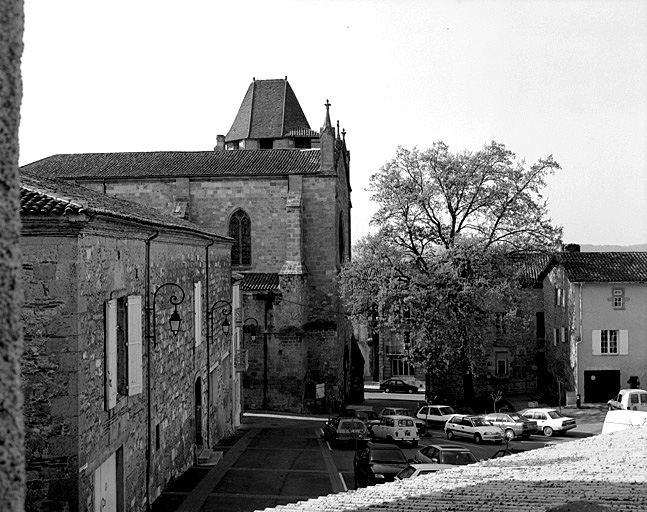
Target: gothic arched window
[342, 245]
[240, 229]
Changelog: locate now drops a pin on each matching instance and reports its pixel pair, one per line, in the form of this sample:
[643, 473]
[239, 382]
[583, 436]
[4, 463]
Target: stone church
[281, 190]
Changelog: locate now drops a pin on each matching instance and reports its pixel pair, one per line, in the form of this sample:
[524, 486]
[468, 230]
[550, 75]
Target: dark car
[377, 463]
[445, 454]
[364, 413]
[397, 386]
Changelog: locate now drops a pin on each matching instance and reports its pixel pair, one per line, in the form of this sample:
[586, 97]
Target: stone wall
[68, 280]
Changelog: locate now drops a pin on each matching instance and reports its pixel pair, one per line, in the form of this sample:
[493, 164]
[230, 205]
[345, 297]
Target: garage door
[601, 385]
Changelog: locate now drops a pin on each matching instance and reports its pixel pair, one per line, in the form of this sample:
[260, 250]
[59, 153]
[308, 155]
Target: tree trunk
[468, 381]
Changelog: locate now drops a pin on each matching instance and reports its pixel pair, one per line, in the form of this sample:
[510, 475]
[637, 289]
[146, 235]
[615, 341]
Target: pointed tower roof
[270, 109]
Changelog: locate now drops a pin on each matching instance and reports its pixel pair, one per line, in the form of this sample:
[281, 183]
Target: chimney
[572, 248]
[220, 144]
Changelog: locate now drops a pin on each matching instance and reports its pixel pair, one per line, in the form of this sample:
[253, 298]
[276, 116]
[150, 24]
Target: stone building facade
[116, 405]
[282, 191]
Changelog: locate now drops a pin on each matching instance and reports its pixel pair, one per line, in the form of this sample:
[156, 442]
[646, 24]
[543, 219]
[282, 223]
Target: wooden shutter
[623, 342]
[134, 307]
[197, 311]
[110, 373]
[595, 343]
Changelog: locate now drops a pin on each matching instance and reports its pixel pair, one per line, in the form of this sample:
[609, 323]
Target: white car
[629, 400]
[549, 420]
[435, 415]
[473, 427]
[414, 470]
[397, 429]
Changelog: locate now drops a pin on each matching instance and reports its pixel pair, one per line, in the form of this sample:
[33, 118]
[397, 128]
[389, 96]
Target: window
[401, 367]
[123, 348]
[618, 298]
[499, 323]
[610, 342]
[501, 363]
[240, 229]
[560, 297]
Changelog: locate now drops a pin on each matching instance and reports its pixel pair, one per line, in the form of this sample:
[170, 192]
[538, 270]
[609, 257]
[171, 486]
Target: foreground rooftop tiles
[607, 470]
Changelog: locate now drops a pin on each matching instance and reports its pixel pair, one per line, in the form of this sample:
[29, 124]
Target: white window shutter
[110, 373]
[623, 345]
[197, 311]
[135, 380]
[595, 342]
[563, 334]
[555, 336]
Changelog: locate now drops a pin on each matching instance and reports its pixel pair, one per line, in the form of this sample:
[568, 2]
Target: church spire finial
[338, 133]
[327, 123]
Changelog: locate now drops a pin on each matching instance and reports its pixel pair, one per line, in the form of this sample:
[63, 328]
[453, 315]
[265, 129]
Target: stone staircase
[209, 457]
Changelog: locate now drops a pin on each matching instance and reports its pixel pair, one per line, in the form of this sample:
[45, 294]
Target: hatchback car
[414, 470]
[513, 424]
[549, 421]
[377, 463]
[630, 400]
[344, 430]
[397, 386]
[445, 454]
[364, 413]
[400, 411]
[397, 429]
[473, 427]
[435, 415]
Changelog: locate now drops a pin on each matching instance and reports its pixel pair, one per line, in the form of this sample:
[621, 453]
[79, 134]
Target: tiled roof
[42, 196]
[531, 266]
[269, 109]
[259, 282]
[603, 267]
[162, 164]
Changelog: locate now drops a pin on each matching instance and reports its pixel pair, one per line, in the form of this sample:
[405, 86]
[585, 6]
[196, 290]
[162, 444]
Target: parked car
[413, 470]
[513, 424]
[377, 463]
[445, 454]
[549, 420]
[364, 413]
[629, 400]
[473, 427]
[344, 430]
[402, 411]
[435, 415]
[397, 429]
[397, 386]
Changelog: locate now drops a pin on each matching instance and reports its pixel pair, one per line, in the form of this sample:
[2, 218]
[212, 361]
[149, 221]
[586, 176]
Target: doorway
[198, 411]
[600, 385]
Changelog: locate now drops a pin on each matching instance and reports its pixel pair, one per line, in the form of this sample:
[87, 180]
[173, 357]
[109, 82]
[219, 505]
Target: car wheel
[477, 439]
[450, 434]
[509, 433]
[414, 443]
[548, 432]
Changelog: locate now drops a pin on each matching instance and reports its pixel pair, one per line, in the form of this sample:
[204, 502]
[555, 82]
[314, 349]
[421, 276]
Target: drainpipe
[148, 367]
[206, 291]
[577, 342]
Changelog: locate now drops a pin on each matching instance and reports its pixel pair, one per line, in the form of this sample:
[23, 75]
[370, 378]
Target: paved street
[274, 460]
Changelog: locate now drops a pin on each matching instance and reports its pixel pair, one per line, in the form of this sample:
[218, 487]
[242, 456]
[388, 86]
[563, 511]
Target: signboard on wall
[321, 390]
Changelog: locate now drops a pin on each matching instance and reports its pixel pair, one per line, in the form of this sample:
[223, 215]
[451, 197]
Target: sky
[566, 78]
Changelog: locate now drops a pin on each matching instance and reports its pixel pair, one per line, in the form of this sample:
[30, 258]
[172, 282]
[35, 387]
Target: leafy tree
[450, 226]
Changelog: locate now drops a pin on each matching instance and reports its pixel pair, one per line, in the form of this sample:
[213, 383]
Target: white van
[623, 420]
[629, 400]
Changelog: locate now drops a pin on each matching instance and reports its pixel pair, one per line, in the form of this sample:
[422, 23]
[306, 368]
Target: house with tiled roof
[115, 361]
[596, 325]
[281, 190]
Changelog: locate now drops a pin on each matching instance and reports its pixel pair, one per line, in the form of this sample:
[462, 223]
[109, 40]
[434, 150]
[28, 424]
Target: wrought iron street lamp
[175, 320]
[252, 323]
[224, 308]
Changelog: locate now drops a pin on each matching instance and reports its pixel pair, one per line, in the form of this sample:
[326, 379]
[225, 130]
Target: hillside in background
[613, 248]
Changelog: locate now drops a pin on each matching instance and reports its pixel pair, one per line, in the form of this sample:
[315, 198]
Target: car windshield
[406, 472]
[457, 458]
[554, 414]
[388, 456]
[402, 412]
[446, 410]
[479, 422]
[352, 425]
[517, 417]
